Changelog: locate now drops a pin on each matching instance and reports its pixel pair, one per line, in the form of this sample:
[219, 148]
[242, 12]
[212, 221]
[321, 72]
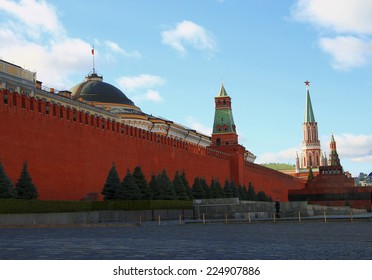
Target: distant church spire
[334, 160]
[311, 152]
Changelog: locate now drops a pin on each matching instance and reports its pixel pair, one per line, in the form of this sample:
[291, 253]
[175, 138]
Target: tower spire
[334, 159]
[309, 114]
[222, 92]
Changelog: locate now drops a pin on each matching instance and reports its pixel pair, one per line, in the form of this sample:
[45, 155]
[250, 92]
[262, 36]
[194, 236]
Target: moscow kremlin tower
[311, 152]
[225, 138]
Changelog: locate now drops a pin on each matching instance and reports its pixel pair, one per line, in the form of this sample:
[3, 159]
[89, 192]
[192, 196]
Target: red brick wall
[68, 159]
[273, 183]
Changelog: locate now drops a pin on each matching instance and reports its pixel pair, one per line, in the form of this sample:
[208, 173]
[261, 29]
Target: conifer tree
[242, 192]
[129, 189]
[167, 186]
[215, 189]
[6, 184]
[186, 184]
[261, 196]
[197, 189]
[156, 191]
[179, 187]
[205, 188]
[141, 182]
[227, 190]
[112, 184]
[24, 188]
[251, 194]
[234, 189]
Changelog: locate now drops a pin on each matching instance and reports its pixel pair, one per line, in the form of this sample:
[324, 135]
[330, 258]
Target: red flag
[93, 51]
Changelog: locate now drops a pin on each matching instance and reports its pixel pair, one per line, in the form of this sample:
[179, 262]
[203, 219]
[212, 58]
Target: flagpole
[94, 70]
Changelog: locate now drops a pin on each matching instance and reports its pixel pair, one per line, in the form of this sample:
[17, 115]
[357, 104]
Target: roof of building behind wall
[94, 89]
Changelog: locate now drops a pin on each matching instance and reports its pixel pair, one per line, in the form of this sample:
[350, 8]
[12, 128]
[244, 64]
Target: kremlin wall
[71, 138]
[69, 159]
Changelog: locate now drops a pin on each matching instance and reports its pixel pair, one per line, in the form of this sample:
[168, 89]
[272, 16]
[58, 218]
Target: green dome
[93, 89]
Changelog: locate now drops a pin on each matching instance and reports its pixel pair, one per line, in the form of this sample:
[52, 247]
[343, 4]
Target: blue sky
[170, 58]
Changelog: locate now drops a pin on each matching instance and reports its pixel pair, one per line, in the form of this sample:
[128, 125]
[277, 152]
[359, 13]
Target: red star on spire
[307, 83]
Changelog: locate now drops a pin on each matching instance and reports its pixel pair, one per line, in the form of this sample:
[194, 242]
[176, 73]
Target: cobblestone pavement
[284, 240]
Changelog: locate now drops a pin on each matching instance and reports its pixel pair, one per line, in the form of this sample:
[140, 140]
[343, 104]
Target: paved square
[284, 240]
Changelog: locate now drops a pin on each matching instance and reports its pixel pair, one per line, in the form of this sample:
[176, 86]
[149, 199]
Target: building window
[23, 102]
[47, 109]
[74, 116]
[218, 141]
[103, 124]
[5, 98]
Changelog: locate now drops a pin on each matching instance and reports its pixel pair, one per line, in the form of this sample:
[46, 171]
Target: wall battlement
[34, 106]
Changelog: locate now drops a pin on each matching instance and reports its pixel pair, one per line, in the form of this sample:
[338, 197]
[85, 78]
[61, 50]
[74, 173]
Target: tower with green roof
[311, 152]
[225, 138]
[224, 130]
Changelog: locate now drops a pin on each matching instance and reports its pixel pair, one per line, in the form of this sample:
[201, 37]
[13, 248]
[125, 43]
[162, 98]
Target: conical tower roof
[333, 138]
[222, 92]
[309, 114]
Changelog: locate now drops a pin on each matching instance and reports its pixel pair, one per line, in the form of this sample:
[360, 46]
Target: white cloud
[33, 37]
[194, 123]
[34, 14]
[141, 88]
[152, 95]
[53, 62]
[340, 16]
[117, 49]
[189, 33]
[347, 51]
[284, 156]
[351, 21]
[141, 81]
[149, 95]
